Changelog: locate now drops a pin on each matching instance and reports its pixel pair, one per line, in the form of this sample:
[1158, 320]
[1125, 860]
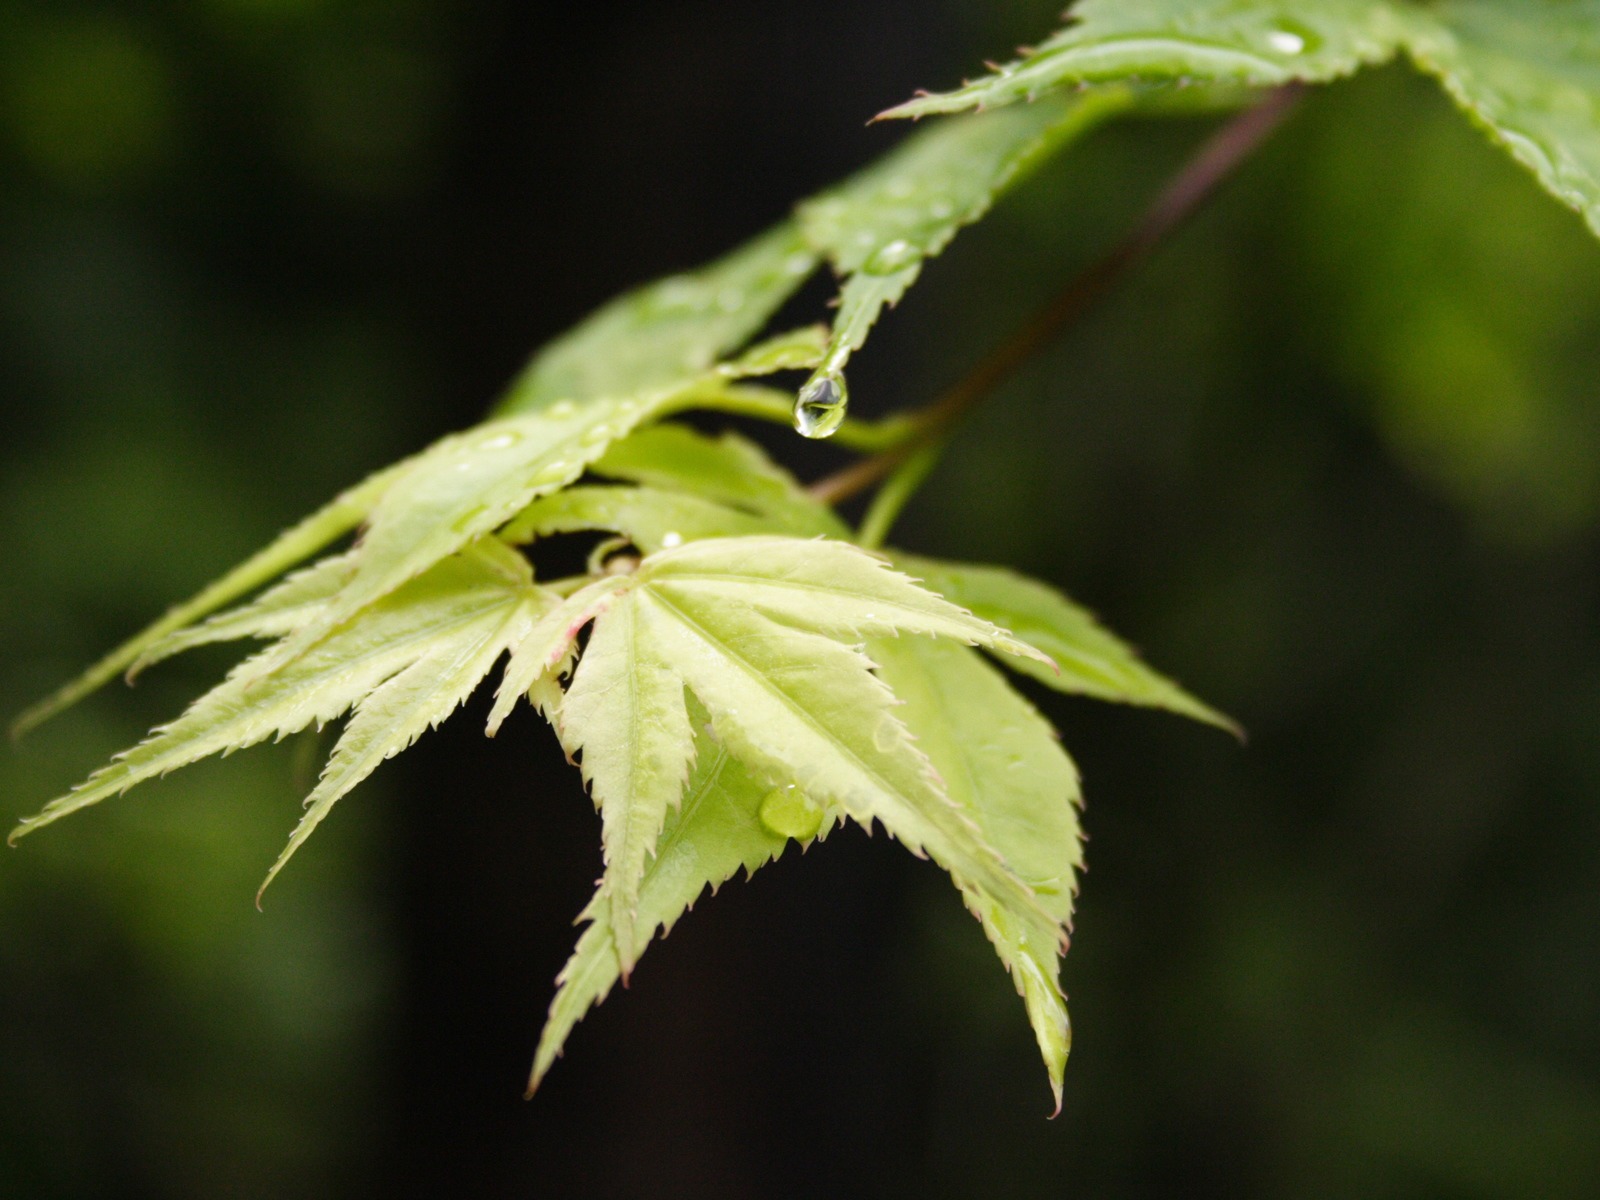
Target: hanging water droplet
[670, 539]
[894, 256]
[820, 407]
[789, 812]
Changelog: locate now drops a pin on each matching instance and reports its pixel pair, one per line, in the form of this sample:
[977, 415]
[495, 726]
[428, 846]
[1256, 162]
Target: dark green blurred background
[1330, 459]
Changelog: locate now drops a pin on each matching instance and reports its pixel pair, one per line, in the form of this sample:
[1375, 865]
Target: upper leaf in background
[1089, 660]
[1527, 71]
[1529, 74]
[668, 330]
[1254, 42]
[877, 228]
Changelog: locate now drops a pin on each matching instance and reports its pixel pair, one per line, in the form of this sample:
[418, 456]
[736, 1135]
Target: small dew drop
[670, 539]
[730, 300]
[499, 442]
[820, 407]
[892, 257]
[561, 409]
[941, 210]
[790, 813]
[596, 435]
[1285, 42]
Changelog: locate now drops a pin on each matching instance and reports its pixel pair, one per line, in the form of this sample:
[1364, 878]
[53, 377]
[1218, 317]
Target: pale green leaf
[1529, 73]
[1091, 661]
[399, 711]
[716, 831]
[293, 546]
[262, 698]
[1254, 42]
[469, 484]
[831, 588]
[625, 712]
[667, 331]
[799, 706]
[791, 703]
[1002, 764]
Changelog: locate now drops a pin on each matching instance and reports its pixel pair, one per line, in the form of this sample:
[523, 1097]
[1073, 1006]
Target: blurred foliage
[1329, 457]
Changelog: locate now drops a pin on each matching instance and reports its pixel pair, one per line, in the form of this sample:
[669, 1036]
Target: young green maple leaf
[403, 664]
[659, 334]
[765, 632]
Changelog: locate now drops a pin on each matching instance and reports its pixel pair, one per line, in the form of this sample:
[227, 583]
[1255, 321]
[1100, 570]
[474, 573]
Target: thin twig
[1196, 182]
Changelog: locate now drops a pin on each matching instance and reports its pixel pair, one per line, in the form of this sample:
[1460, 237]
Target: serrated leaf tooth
[548, 643]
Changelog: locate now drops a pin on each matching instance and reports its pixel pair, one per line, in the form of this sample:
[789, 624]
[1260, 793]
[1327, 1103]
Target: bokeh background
[1330, 458]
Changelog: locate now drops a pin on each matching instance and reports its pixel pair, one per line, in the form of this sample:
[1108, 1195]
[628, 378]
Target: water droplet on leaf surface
[820, 407]
[789, 812]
